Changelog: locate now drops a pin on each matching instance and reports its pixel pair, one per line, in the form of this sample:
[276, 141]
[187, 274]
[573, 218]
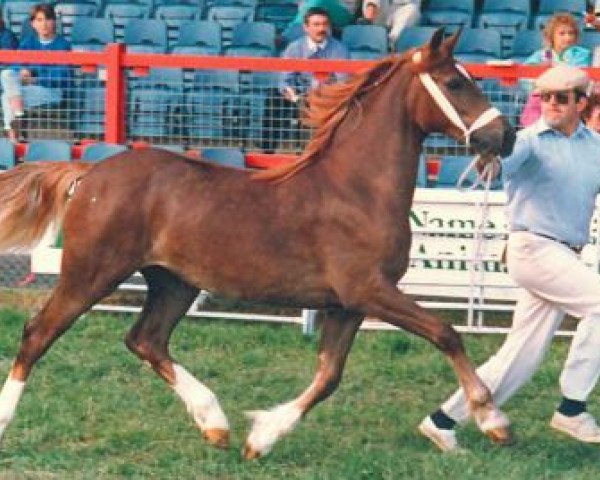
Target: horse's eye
[454, 84]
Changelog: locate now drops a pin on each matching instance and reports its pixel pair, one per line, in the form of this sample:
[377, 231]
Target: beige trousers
[555, 282]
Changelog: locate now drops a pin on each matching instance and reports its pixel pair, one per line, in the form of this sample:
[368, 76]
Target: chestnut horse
[329, 232]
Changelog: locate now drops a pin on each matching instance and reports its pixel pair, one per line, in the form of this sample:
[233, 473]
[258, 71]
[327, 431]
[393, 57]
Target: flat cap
[562, 77]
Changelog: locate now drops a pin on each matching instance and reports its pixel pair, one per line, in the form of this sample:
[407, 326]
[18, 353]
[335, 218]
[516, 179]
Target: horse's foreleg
[396, 308]
[168, 300]
[337, 333]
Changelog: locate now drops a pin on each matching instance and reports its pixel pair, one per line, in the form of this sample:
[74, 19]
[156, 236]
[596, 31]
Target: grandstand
[195, 108]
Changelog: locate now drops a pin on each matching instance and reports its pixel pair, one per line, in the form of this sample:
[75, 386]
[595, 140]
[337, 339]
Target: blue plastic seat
[91, 34]
[212, 105]
[7, 154]
[590, 39]
[365, 41]
[48, 151]
[146, 36]
[477, 45]
[228, 16]
[230, 157]
[174, 16]
[122, 13]
[68, 13]
[200, 38]
[525, 43]
[507, 23]
[278, 14]
[548, 8]
[413, 37]
[507, 16]
[154, 101]
[292, 32]
[253, 39]
[450, 13]
[101, 150]
[16, 14]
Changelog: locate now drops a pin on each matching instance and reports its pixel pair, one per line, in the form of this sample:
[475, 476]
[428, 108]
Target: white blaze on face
[201, 402]
[9, 398]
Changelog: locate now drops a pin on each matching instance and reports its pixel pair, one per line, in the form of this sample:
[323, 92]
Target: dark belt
[575, 248]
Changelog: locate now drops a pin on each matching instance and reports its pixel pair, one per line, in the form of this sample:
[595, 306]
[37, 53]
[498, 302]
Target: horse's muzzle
[497, 138]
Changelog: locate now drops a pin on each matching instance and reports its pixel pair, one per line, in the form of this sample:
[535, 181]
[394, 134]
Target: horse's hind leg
[67, 302]
[168, 299]
[337, 333]
[394, 307]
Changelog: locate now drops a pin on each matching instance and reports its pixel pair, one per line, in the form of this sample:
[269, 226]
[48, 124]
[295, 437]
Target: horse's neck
[377, 150]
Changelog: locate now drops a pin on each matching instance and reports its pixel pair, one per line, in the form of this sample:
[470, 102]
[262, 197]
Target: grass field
[92, 410]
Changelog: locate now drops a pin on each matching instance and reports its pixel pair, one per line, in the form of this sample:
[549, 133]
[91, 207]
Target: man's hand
[290, 94]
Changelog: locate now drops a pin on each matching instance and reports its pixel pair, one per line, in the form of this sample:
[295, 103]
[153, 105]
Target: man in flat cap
[551, 179]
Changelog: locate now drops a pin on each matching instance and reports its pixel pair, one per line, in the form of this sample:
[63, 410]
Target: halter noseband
[451, 113]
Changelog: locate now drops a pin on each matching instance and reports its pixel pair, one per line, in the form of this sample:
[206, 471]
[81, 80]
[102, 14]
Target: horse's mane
[327, 107]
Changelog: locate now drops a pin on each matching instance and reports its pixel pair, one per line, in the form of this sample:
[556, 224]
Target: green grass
[92, 410]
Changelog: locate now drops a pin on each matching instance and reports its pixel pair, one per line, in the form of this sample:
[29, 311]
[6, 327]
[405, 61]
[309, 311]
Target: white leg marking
[491, 419]
[201, 403]
[9, 398]
[270, 425]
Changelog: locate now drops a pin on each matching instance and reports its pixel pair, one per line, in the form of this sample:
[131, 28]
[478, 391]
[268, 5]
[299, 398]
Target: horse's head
[447, 100]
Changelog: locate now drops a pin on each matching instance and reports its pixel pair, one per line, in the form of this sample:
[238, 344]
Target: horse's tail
[32, 197]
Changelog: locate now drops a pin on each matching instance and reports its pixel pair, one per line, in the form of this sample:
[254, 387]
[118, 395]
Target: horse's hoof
[501, 435]
[250, 453]
[217, 437]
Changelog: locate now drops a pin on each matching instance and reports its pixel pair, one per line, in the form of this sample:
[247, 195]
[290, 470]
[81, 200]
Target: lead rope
[477, 271]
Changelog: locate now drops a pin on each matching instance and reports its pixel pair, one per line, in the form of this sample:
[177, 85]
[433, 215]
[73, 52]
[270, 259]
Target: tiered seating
[146, 36]
[365, 42]
[550, 7]
[199, 38]
[254, 39]
[450, 13]
[478, 45]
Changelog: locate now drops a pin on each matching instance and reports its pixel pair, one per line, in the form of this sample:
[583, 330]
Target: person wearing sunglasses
[551, 180]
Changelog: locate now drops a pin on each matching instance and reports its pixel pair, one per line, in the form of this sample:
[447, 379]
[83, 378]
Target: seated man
[393, 14]
[30, 86]
[317, 43]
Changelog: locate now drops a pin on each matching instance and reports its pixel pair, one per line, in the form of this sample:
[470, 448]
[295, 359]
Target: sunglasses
[562, 97]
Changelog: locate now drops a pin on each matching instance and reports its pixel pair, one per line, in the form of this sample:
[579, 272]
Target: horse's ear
[451, 42]
[436, 39]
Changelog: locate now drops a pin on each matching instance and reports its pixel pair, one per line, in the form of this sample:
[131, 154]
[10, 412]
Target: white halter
[451, 113]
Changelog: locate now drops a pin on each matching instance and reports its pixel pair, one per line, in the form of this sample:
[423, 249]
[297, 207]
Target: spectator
[561, 35]
[338, 13]
[396, 15]
[317, 43]
[8, 41]
[30, 86]
[591, 114]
